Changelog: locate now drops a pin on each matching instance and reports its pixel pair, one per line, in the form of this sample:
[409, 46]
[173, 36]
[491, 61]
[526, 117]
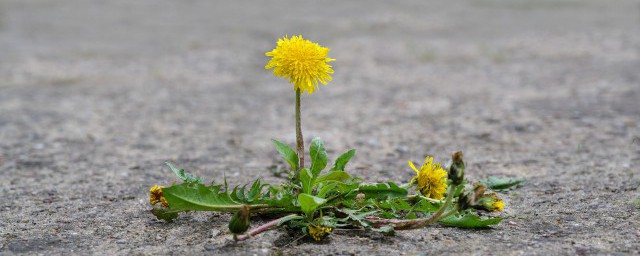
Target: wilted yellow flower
[491, 203]
[302, 62]
[318, 232]
[156, 196]
[498, 205]
[431, 179]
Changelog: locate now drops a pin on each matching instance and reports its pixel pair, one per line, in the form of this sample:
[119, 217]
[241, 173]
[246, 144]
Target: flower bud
[240, 221]
[456, 169]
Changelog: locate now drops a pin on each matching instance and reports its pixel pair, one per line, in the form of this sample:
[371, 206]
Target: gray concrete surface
[95, 95]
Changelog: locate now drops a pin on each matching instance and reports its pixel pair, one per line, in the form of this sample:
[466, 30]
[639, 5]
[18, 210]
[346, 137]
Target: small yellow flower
[491, 203]
[496, 203]
[318, 232]
[431, 179]
[302, 62]
[156, 196]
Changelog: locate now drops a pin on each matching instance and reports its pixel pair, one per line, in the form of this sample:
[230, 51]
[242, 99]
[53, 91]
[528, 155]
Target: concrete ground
[95, 95]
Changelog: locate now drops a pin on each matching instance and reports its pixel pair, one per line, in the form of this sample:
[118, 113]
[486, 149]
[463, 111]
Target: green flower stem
[260, 229]
[299, 139]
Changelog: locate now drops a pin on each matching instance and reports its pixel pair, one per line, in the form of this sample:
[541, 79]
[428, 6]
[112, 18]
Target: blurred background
[95, 95]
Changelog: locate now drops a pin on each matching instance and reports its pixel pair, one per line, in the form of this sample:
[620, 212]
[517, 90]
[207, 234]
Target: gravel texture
[95, 95]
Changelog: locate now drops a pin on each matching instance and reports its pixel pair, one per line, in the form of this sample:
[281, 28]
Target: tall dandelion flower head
[431, 179]
[302, 62]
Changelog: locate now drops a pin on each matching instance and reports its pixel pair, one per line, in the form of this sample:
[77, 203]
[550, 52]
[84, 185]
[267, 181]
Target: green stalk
[299, 139]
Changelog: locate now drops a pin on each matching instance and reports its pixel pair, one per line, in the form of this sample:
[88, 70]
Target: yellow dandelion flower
[491, 203]
[318, 232]
[431, 179]
[496, 203]
[302, 62]
[156, 196]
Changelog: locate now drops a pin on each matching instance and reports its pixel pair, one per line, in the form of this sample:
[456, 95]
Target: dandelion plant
[322, 197]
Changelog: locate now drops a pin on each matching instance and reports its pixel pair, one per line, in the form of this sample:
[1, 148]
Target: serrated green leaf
[241, 195]
[342, 160]
[256, 189]
[198, 197]
[287, 153]
[319, 156]
[310, 203]
[382, 190]
[191, 196]
[469, 220]
[503, 183]
[182, 174]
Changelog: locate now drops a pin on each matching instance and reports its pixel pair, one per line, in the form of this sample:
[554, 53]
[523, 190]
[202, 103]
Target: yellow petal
[413, 166]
